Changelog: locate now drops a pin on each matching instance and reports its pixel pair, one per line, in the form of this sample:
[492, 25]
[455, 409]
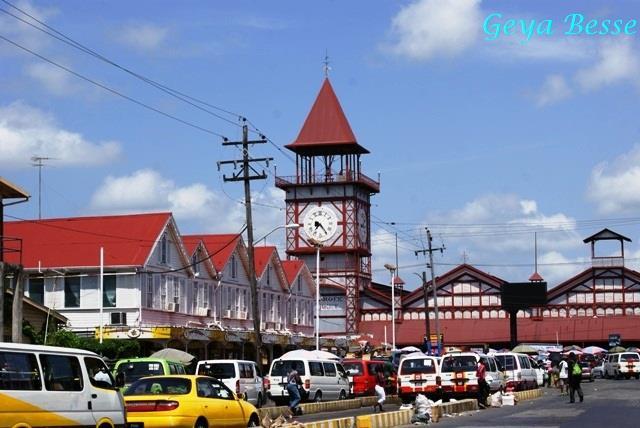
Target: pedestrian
[575, 378]
[483, 386]
[293, 384]
[381, 383]
[563, 368]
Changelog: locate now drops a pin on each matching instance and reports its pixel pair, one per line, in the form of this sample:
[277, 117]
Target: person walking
[575, 378]
[293, 384]
[563, 368]
[483, 386]
[381, 383]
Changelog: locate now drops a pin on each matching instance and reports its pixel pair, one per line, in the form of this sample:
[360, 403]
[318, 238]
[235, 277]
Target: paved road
[607, 403]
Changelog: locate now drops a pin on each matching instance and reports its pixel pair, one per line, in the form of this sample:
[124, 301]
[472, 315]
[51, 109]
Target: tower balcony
[283, 182]
[605, 262]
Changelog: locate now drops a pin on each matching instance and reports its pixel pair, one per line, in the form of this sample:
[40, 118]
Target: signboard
[332, 305]
[614, 340]
[523, 295]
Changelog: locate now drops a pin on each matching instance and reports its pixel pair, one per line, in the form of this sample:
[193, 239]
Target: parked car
[242, 377]
[541, 372]
[458, 373]
[622, 364]
[520, 375]
[132, 369]
[598, 370]
[419, 374]
[322, 379]
[362, 375]
[188, 401]
[587, 372]
[48, 385]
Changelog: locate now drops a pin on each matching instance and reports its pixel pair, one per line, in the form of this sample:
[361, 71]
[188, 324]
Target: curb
[332, 423]
[461, 406]
[528, 395]
[385, 420]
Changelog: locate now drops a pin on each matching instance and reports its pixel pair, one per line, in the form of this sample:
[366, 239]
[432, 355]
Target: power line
[77, 45]
[113, 91]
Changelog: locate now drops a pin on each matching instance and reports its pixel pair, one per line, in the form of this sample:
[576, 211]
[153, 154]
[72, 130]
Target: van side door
[106, 403]
[332, 380]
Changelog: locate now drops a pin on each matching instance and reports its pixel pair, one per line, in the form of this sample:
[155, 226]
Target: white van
[419, 374]
[521, 375]
[52, 386]
[241, 376]
[458, 373]
[321, 379]
[622, 364]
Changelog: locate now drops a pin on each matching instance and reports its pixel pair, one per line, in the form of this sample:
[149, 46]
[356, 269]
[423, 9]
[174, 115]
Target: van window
[218, 370]
[492, 365]
[508, 362]
[283, 367]
[315, 368]
[459, 363]
[246, 371]
[19, 371]
[61, 373]
[422, 365]
[160, 385]
[172, 369]
[99, 375]
[355, 369]
[341, 370]
[524, 362]
[134, 370]
[629, 357]
[329, 369]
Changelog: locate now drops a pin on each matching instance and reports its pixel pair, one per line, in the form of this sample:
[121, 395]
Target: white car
[518, 370]
[622, 364]
[241, 376]
[458, 373]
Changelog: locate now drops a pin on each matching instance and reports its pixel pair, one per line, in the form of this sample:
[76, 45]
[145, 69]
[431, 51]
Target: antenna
[326, 67]
[38, 162]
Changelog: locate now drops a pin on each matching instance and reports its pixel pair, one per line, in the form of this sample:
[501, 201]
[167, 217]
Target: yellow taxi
[186, 401]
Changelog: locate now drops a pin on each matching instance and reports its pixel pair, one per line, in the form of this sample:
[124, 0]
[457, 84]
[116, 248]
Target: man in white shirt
[564, 376]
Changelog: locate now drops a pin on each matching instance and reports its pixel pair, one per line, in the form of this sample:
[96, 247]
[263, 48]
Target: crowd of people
[566, 375]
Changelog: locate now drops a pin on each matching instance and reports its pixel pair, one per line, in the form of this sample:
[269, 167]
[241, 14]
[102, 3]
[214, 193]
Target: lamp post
[318, 245]
[392, 270]
[285, 226]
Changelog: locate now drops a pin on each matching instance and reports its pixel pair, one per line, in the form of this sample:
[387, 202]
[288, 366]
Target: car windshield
[160, 385]
[353, 368]
[283, 367]
[423, 365]
[628, 357]
[136, 369]
[218, 370]
[507, 361]
[458, 363]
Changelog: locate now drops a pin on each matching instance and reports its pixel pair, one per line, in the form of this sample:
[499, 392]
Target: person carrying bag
[294, 384]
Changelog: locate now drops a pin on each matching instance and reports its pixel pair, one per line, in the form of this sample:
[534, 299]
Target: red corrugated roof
[291, 269]
[220, 247]
[261, 257]
[326, 125]
[75, 241]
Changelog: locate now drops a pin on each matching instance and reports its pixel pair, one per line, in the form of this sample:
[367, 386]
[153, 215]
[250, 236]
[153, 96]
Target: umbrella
[617, 349]
[572, 348]
[524, 349]
[410, 349]
[174, 355]
[574, 352]
[303, 353]
[452, 349]
[593, 350]
[633, 349]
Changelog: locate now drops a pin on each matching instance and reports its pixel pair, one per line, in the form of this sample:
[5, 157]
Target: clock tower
[329, 197]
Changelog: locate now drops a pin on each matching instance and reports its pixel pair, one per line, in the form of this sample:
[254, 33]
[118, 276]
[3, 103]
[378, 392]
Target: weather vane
[326, 64]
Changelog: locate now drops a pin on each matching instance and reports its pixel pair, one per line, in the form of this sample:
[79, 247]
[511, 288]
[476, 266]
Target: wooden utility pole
[16, 308]
[245, 173]
[427, 327]
[430, 251]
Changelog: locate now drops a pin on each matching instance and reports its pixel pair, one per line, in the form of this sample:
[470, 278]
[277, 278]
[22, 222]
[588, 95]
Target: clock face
[320, 223]
[362, 225]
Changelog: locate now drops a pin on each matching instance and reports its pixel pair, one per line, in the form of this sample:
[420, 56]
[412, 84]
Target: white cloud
[510, 48]
[142, 36]
[204, 209]
[428, 28]
[21, 32]
[26, 131]
[554, 89]
[54, 79]
[615, 186]
[528, 206]
[555, 268]
[618, 62]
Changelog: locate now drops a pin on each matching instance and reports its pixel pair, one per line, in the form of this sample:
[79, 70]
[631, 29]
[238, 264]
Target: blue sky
[486, 142]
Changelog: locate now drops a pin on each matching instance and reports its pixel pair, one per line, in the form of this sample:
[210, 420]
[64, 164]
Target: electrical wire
[111, 90]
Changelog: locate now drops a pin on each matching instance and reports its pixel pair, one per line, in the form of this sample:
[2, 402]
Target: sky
[486, 139]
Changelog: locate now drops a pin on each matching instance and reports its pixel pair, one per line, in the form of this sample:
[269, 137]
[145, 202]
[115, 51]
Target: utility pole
[245, 173]
[430, 251]
[426, 311]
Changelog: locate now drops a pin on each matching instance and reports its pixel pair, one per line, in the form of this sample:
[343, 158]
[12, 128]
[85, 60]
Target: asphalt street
[607, 403]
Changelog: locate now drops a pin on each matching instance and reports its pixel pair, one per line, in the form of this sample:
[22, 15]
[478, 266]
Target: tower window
[164, 249]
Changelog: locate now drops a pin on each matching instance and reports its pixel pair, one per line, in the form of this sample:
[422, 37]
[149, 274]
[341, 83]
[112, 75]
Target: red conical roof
[326, 129]
[535, 277]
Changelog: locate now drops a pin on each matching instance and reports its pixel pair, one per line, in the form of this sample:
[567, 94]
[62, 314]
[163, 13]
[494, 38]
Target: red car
[362, 376]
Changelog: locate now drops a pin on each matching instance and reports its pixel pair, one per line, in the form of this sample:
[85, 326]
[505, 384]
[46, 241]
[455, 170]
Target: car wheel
[343, 395]
[201, 423]
[318, 397]
[253, 421]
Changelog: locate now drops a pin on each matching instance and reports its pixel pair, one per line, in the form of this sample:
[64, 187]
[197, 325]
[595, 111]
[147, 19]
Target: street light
[392, 270]
[286, 226]
[318, 245]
